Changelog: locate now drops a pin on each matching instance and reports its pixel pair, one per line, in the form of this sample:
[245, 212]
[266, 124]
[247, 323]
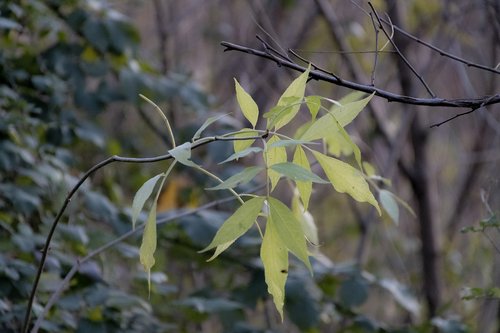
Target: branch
[472, 103]
[75, 189]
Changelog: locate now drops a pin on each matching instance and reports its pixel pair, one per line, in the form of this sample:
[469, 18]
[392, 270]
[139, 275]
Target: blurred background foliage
[70, 76]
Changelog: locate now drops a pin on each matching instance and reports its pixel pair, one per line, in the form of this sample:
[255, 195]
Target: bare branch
[472, 103]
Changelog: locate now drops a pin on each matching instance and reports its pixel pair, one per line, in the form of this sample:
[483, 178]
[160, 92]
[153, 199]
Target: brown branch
[389, 96]
[400, 54]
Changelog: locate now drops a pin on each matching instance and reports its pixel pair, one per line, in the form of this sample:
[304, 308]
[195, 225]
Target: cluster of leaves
[287, 230]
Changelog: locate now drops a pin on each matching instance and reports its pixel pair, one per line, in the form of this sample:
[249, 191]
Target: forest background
[70, 77]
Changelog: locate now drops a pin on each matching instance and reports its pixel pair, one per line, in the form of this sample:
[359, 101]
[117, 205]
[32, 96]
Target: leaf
[369, 169]
[304, 187]
[343, 115]
[289, 230]
[182, 154]
[141, 196]
[240, 145]
[402, 294]
[148, 245]
[306, 220]
[297, 173]
[289, 143]
[247, 104]
[296, 89]
[240, 178]
[238, 223]
[390, 205]
[346, 179]
[278, 112]
[219, 249]
[313, 104]
[274, 256]
[274, 156]
[243, 153]
[207, 123]
[353, 292]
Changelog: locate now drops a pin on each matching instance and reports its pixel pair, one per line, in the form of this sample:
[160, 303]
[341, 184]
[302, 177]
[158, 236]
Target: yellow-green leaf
[289, 230]
[305, 188]
[148, 246]
[346, 179]
[141, 196]
[274, 256]
[237, 224]
[323, 126]
[182, 154]
[275, 155]
[390, 205]
[306, 221]
[296, 89]
[240, 145]
[313, 104]
[247, 104]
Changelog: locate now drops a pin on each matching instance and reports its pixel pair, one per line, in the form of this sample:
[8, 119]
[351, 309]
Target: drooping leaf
[240, 178]
[148, 245]
[240, 154]
[289, 230]
[346, 179]
[297, 173]
[207, 123]
[182, 154]
[369, 169]
[306, 220]
[247, 104]
[389, 204]
[219, 249]
[313, 104]
[296, 89]
[304, 187]
[274, 156]
[240, 145]
[141, 196]
[238, 223]
[274, 256]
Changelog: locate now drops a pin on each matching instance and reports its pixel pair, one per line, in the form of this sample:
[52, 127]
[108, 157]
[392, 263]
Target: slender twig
[77, 186]
[407, 63]
[375, 60]
[389, 96]
[463, 113]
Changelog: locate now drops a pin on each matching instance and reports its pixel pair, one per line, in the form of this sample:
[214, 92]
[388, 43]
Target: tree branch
[472, 103]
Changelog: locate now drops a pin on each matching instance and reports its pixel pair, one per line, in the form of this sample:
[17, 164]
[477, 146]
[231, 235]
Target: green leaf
[207, 123]
[240, 145]
[238, 223]
[243, 153]
[289, 230]
[346, 179]
[353, 292]
[297, 173]
[279, 112]
[313, 104]
[390, 205]
[141, 196]
[274, 156]
[274, 256]
[323, 126]
[148, 245]
[306, 221]
[304, 187]
[182, 154]
[240, 178]
[296, 89]
[247, 104]
[289, 143]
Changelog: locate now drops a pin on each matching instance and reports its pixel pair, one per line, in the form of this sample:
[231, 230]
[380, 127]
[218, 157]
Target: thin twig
[463, 113]
[375, 60]
[389, 96]
[407, 63]
[75, 188]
